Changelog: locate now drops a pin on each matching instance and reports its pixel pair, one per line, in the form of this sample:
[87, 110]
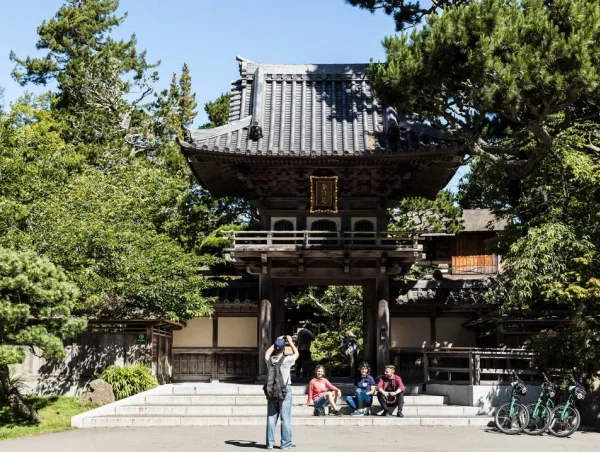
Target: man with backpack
[278, 391]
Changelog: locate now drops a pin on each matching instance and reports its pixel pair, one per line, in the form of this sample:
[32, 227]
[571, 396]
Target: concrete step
[237, 411]
[249, 389]
[164, 421]
[244, 400]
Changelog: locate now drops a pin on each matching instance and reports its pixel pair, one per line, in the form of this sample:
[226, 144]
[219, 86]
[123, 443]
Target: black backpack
[275, 388]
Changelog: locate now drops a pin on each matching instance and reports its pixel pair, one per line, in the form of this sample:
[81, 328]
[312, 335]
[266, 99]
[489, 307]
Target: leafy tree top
[503, 76]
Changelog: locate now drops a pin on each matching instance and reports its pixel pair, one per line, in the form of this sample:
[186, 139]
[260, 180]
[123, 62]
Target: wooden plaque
[323, 194]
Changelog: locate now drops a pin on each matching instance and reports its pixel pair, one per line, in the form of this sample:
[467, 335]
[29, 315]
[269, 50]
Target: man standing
[390, 391]
[275, 355]
[305, 338]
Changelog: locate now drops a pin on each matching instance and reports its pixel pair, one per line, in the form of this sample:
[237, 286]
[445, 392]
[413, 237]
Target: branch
[320, 305]
[591, 145]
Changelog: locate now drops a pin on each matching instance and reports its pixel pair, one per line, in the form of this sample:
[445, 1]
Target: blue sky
[208, 34]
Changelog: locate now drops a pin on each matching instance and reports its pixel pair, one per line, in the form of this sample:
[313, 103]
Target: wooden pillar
[265, 324]
[370, 322]
[383, 324]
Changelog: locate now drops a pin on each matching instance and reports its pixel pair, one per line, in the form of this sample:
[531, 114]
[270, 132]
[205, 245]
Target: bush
[129, 380]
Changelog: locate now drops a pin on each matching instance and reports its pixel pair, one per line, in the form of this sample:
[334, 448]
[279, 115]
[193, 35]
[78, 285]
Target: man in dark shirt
[305, 338]
[390, 391]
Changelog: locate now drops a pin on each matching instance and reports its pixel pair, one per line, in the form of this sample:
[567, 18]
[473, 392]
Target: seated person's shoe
[357, 413]
[333, 412]
[399, 413]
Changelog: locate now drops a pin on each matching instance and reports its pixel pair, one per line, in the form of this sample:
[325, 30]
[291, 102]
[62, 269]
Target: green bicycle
[566, 418]
[512, 417]
[540, 412]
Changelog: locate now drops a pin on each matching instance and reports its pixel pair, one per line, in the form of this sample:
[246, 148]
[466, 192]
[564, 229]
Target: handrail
[398, 240]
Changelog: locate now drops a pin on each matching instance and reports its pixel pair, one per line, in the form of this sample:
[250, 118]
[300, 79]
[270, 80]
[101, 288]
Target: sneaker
[333, 412]
[357, 413]
[289, 447]
[399, 414]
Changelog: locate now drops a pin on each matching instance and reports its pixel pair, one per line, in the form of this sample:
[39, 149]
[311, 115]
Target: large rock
[100, 393]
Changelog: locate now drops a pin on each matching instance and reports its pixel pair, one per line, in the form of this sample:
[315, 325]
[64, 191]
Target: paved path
[310, 439]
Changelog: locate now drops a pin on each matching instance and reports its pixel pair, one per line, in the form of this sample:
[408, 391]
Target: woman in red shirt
[322, 393]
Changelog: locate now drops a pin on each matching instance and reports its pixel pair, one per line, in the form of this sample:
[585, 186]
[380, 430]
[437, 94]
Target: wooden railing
[323, 239]
[475, 366]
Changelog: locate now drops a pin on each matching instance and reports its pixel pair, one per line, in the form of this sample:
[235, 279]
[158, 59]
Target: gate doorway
[329, 312]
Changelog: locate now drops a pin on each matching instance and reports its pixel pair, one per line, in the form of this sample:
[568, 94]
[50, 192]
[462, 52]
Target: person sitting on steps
[390, 391]
[365, 391]
[322, 393]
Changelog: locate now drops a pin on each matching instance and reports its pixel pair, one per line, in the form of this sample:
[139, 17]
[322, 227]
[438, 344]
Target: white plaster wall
[410, 331]
[238, 332]
[485, 397]
[197, 333]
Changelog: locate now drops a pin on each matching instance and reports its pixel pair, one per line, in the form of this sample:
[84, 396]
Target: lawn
[56, 412]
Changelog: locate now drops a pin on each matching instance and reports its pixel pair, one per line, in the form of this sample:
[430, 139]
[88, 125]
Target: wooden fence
[475, 366]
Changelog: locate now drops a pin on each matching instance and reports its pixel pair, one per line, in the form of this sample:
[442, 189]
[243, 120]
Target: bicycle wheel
[511, 424]
[564, 426]
[539, 422]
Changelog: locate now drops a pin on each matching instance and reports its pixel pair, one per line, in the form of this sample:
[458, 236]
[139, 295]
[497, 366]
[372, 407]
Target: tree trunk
[14, 399]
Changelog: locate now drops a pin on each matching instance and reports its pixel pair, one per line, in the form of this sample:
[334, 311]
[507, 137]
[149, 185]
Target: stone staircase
[196, 404]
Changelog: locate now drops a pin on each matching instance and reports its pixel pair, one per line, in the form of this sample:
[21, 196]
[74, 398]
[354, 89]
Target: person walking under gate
[305, 338]
[390, 391]
[275, 356]
[365, 391]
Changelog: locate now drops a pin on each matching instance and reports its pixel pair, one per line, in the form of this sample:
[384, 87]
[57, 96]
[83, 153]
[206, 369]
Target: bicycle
[540, 412]
[512, 417]
[566, 418]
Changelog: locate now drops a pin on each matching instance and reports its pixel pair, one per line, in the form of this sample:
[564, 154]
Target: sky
[208, 34]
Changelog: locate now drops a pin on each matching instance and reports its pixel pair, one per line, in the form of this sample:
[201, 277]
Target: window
[363, 228]
[324, 238]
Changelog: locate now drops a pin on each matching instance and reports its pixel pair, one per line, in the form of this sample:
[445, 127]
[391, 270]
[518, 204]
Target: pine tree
[217, 111]
[94, 72]
[187, 104]
[36, 299]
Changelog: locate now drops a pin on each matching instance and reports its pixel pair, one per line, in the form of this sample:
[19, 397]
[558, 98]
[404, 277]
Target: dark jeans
[385, 405]
[304, 355]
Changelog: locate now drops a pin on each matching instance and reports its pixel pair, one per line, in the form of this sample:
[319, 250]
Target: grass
[56, 412]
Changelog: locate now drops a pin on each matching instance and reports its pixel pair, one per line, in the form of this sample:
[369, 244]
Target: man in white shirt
[273, 355]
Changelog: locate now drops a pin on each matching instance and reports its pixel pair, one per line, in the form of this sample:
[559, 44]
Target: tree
[504, 78]
[94, 72]
[36, 300]
[419, 214]
[332, 310]
[406, 13]
[186, 108]
[217, 111]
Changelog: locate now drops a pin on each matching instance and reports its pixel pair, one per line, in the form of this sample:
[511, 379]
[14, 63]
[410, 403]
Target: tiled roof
[312, 110]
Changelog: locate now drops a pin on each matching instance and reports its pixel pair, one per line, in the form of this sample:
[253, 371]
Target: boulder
[100, 393]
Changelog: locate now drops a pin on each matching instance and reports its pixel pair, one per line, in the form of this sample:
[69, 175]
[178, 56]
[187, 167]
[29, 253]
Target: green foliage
[56, 415]
[36, 299]
[570, 348]
[335, 310]
[406, 13]
[505, 77]
[419, 214]
[217, 111]
[129, 380]
[94, 71]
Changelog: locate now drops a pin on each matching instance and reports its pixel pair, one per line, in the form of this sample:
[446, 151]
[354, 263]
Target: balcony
[282, 241]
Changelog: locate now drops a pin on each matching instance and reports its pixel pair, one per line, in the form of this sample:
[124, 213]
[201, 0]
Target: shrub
[129, 380]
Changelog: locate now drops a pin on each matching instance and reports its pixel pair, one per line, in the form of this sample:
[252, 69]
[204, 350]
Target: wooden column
[265, 323]
[383, 324]
[370, 323]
